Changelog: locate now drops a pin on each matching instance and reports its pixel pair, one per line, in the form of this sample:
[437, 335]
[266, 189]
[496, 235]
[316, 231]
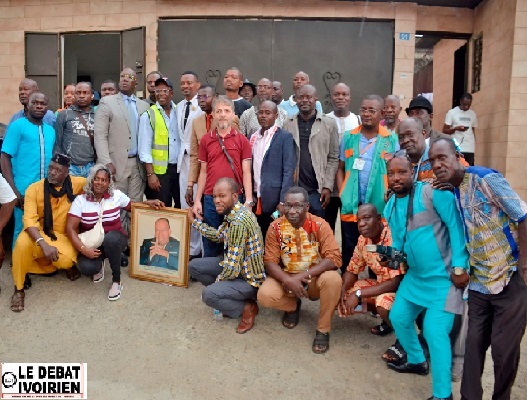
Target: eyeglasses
[162, 91]
[398, 154]
[371, 111]
[128, 76]
[296, 207]
[203, 96]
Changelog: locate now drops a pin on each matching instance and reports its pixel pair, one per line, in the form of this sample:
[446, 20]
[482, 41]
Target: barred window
[476, 63]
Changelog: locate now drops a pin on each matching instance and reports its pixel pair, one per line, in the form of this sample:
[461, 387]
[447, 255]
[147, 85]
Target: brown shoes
[248, 315]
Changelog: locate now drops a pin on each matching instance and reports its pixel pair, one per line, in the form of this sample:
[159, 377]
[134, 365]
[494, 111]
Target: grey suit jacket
[112, 133]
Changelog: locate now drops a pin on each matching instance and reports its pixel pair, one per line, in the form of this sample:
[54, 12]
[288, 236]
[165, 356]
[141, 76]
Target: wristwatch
[459, 271]
[358, 293]
[251, 203]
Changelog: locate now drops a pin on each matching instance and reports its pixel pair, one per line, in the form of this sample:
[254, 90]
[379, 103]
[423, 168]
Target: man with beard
[159, 145]
[74, 131]
[43, 247]
[249, 119]
[25, 89]
[232, 82]
[277, 95]
[317, 141]
[426, 226]
[361, 175]
[223, 153]
[392, 109]
[494, 218]
[274, 162]
[231, 280]
[26, 152]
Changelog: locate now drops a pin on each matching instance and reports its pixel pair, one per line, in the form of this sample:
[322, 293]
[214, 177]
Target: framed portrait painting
[159, 245]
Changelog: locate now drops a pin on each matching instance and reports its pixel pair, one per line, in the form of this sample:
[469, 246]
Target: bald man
[392, 109]
[300, 79]
[26, 87]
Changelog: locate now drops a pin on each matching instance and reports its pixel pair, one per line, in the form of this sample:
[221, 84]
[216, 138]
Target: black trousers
[169, 191]
[332, 211]
[350, 237]
[496, 320]
[264, 220]
[469, 157]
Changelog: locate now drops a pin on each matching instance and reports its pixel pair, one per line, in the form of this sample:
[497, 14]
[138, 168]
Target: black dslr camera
[394, 257]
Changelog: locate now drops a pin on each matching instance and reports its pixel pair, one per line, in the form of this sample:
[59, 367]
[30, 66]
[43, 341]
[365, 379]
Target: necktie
[133, 123]
[187, 110]
[208, 122]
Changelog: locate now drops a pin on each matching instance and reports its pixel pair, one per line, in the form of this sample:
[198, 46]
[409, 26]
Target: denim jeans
[81, 170]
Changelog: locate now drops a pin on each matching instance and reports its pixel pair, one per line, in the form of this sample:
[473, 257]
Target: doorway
[83, 56]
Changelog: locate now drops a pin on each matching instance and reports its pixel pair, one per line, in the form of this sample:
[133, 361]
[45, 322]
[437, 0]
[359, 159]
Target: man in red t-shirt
[223, 153]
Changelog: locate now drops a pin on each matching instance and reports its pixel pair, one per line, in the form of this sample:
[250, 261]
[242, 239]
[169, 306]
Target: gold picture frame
[158, 254]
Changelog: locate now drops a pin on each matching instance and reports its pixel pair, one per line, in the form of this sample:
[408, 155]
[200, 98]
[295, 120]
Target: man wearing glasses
[159, 145]
[301, 259]
[361, 176]
[115, 133]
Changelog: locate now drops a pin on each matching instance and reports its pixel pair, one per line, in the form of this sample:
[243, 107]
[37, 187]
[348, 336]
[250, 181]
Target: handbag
[95, 236]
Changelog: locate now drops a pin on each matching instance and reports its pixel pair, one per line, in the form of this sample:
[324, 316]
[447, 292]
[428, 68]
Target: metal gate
[358, 53]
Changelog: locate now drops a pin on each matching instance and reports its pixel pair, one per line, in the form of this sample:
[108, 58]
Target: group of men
[264, 185]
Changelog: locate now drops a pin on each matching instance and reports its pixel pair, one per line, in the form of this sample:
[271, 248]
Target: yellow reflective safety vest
[160, 142]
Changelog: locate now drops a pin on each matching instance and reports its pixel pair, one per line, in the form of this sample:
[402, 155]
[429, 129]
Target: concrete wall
[17, 16]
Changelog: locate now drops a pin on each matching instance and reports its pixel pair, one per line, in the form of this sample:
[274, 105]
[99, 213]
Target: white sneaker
[115, 291]
[99, 276]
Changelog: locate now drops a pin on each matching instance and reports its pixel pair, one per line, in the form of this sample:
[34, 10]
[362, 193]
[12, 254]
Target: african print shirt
[242, 245]
[490, 210]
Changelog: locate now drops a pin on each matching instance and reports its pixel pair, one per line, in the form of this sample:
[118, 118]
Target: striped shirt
[490, 211]
[88, 211]
[242, 245]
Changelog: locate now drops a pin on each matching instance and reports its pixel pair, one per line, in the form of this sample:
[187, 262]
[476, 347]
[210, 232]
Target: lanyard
[364, 150]
[416, 173]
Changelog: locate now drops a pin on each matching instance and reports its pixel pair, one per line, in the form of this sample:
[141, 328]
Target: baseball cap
[164, 81]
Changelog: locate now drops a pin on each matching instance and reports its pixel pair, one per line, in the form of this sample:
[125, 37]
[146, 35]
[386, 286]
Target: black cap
[420, 102]
[61, 159]
[251, 85]
[164, 81]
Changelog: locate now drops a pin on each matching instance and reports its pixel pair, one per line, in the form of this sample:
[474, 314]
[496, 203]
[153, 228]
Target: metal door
[42, 64]
[357, 53]
[133, 53]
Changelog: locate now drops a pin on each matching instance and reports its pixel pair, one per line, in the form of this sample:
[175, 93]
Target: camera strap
[231, 163]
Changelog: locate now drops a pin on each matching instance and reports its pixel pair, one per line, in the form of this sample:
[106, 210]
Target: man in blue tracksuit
[426, 225]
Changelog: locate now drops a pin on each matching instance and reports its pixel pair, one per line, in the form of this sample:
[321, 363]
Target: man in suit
[186, 111]
[200, 126]
[161, 251]
[115, 137]
[274, 162]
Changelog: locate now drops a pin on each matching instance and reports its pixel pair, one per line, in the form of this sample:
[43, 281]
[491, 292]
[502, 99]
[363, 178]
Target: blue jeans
[81, 170]
[212, 218]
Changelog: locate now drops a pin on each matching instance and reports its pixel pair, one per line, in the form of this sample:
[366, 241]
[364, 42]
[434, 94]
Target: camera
[394, 257]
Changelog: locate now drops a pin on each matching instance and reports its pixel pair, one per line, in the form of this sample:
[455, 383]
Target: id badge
[358, 164]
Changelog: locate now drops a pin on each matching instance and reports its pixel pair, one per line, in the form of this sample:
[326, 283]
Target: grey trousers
[226, 296]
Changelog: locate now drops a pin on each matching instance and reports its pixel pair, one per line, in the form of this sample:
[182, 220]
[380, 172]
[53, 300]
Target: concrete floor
[160, 343]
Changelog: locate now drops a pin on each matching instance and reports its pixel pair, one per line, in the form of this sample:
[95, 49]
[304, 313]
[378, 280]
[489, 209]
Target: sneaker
[99, 276]
[115, 291]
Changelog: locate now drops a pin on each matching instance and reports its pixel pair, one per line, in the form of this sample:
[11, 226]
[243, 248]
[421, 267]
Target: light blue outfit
[49, 117]
[29, 159]
[434, 244]
[291, 108]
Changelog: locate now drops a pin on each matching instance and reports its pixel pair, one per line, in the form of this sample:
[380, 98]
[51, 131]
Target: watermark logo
[44, 381]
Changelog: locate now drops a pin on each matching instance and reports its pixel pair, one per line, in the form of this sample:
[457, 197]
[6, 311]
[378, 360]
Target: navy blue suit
[158, 261]
[278, 168]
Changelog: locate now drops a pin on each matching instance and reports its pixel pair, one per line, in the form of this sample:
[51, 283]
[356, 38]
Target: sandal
[290, 319]
[73, 273]
[17, 301]
[395, 354]
[320, 343]
[382, 329]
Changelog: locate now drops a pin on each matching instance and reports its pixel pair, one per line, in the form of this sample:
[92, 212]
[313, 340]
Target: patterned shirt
[242, 245]
[249, 120]
[490, 210]
[296, 250]
[363, 258]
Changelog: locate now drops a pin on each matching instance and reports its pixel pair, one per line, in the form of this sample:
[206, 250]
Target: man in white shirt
[186, 111]
[460, 122]
[159, 153]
